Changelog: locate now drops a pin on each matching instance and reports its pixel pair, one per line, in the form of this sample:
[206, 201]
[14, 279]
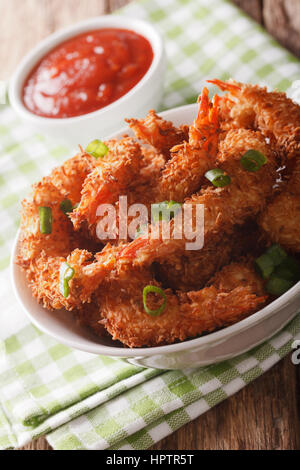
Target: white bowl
[214, 347]
[82, 129]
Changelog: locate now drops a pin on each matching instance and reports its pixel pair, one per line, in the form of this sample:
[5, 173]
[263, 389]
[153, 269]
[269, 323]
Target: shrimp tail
[225, 86]
[130, 251]
[205, 128]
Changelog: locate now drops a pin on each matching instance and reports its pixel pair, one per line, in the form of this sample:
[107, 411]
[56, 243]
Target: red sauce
[87, 73]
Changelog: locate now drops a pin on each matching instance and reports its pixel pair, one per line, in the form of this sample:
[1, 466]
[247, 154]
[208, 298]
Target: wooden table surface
[264, 415]
[280, 17]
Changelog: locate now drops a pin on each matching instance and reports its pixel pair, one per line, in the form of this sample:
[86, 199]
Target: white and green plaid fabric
[81, 401]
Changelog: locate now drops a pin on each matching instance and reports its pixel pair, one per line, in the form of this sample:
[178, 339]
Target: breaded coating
[152, 164]
[186, 314]
[108, 180]
[272, 113]
[61, 241]
[281, 219]
[224, 208]
[69, 177]
[41, 255]
[238, 274]
[88, 316]
[184, 172]
[193, 269]
[124, 173]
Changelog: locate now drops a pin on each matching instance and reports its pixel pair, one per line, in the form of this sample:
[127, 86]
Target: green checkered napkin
[81, 401]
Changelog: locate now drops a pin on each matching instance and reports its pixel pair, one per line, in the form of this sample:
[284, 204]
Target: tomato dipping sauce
[87, 72]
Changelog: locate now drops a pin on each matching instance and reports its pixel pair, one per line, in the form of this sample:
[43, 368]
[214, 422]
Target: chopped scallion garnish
[264, 265]
[289, 269]
[66, 206]
[267, 262]
[165, 210]
[45, 215]
[277, 254]
[66, 273]
[155, 290]
[218, 178]
[97, 148]
[140, 230]
[280, 270]
[277, 286]
[253, 160]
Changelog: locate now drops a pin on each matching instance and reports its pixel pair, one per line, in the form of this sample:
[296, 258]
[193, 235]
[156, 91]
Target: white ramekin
[98, 124]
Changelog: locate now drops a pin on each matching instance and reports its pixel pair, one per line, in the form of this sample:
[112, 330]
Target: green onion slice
[253, 160]
[141, 229]
[66, 206]
[97, 149]
[281, 270]
[218, 178]
[165, 210]
[278, 286]
[264, 266]
[277, 254]
[266, 263]
[156, 290]
[45, 215]
[289, 269]
[66, 273]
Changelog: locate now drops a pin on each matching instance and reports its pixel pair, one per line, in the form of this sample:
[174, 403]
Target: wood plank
[264, 415]
[282, 20]
[115, 4]
[280, 17]
[24, 23]
[252, 7]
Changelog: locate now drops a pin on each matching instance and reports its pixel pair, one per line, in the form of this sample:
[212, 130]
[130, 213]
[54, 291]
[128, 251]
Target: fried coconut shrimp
[186, 315]
[272, 113]
[224, 208]
[161, 134]
[184, 172]
[110, 178]
[238, 274]
[32, 241]
[43, 249]
[192, 270]
[69, 177]
[156, 290]
[281, 219]
[127, 171]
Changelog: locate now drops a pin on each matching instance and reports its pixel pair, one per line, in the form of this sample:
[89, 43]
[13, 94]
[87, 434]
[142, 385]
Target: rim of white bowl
[46, 45]
[215, 337]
